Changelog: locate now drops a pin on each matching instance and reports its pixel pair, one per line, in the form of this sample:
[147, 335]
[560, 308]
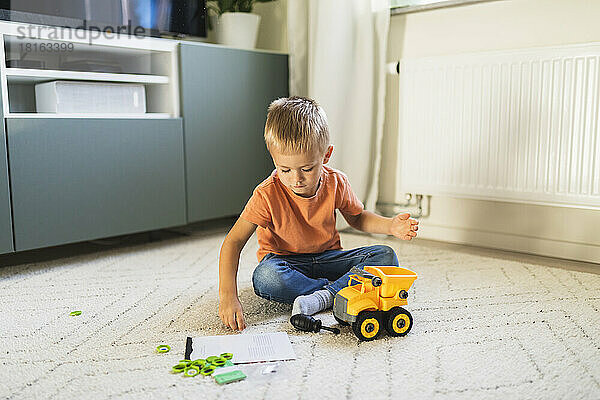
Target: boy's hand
[404, 227]
[231, 313]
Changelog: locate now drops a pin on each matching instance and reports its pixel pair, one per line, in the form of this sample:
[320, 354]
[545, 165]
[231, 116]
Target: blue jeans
[283, 278]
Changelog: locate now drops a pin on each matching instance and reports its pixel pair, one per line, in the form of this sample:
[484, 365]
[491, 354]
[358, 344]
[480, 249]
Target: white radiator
[512, 126]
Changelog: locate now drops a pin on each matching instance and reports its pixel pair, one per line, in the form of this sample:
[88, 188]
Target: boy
[300, 257]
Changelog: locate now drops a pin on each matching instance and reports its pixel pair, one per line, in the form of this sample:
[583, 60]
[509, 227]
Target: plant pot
[238, 29]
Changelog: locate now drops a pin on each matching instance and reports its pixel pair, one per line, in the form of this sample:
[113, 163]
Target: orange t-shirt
[292, 224]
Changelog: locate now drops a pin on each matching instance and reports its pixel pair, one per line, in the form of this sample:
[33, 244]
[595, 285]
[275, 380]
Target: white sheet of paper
[245, 348]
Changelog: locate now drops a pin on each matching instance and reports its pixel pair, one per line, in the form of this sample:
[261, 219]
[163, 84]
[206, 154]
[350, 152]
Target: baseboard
[524, 244]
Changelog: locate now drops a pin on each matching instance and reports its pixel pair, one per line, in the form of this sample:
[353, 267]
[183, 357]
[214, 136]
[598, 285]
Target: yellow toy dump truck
[373, 299]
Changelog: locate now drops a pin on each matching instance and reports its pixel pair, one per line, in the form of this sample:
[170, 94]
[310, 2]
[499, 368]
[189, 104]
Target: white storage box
[69, 97]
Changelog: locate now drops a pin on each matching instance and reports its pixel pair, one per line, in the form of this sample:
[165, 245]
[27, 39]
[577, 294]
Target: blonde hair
[296, 125]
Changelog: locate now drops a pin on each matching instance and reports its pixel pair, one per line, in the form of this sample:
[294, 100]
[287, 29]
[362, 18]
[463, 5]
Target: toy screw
[307, 323]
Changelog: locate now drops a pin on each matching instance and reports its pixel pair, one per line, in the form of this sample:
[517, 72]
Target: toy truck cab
[373, 299]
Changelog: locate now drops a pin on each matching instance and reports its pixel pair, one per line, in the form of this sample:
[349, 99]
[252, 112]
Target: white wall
[272, 34]
[509, 24]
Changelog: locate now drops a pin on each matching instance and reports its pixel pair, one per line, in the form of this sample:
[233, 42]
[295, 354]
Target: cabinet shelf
[23, 75]
[145, 61]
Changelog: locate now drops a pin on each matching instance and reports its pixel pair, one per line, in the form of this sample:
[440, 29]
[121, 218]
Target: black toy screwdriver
[307, 323]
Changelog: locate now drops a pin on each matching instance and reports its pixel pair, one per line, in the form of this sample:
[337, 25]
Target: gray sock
[313, 303]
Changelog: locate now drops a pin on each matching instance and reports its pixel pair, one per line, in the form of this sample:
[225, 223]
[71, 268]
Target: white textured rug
[483, 328]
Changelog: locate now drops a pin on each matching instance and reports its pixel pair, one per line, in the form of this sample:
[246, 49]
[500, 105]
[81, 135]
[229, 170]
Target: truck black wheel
[398, 321]
[367, 326]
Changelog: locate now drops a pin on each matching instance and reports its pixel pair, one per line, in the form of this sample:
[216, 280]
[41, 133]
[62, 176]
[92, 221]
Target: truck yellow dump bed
[394, 279]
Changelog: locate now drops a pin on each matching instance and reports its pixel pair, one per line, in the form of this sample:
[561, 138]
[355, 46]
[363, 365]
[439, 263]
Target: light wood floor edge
[46, 254]
[224, 224]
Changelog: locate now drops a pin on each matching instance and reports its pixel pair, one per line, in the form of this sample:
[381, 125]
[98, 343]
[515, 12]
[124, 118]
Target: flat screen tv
[156, 17]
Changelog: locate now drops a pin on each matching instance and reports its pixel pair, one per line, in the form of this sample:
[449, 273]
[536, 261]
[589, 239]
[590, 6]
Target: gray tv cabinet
[78, 179]
[225, 94]
[6, 236]
[196, 157]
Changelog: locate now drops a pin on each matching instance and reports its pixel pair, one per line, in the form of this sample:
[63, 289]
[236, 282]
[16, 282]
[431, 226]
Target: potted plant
[236, 24]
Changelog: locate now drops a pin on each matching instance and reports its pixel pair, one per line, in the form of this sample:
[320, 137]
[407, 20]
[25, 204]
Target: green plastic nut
[211, 359]
[199, 363]
[219, 362]
[190, 372]
[163, 348]
[208, 370]
[176, 369]
[74, 313]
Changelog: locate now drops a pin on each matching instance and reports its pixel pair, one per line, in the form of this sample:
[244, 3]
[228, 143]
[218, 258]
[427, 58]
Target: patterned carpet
[484, 328]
